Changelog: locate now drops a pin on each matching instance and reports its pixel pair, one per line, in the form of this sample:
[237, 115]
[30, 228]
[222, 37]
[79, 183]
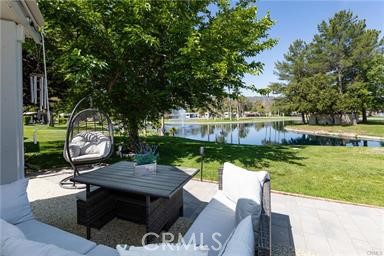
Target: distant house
[333, 119]
[250, 114]
[189, 115]
[227, 114]
[64, 115]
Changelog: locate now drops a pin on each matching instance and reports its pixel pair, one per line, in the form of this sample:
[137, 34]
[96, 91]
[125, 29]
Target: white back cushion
[14, 204]
[246, 207]
[78, 140]
[104, 147]
[241, 183]
[8, 230]
[89, 148]
[242, 240]
[262, 176]
[92, 143]
[74, 150]
[23, 247]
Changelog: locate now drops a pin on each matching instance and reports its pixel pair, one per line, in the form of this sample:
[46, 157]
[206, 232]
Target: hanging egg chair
[89, 139]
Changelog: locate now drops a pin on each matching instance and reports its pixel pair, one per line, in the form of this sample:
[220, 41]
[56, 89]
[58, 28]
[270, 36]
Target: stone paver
[311, 226]
[320, 227]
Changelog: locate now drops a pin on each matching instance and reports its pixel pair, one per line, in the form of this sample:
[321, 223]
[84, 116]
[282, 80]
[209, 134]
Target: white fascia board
[35, 12]
[22, 15]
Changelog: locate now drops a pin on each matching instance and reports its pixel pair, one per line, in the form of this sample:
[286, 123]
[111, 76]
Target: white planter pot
[145, 169]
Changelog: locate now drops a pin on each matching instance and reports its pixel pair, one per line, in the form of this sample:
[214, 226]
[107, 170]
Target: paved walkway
[310, 226]
[327, 228]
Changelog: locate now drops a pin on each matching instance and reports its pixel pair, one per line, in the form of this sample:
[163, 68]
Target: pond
[260, 134]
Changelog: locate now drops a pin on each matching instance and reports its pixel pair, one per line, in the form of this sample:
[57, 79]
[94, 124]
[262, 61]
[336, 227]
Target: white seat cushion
[242, 240]
[84, 158]
[102, 250]
[217, 217]
[164, 249]
[22, 247]
[8, 230]
[14, 204]
[43, 233]
[221, 199]
[92, 146]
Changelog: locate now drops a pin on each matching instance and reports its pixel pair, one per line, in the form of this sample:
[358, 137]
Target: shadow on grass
[173, 149]
[374, 122]
[44, 155]
[39, 127]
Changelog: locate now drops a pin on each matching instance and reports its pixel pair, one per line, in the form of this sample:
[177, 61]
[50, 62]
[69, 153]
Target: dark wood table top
[121, 176]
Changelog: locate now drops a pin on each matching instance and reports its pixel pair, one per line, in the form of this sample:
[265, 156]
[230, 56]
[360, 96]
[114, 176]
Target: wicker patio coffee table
[155, 200]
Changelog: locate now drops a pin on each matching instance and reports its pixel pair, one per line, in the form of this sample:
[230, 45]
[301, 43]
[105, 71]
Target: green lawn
[49, 151]
[343, 173]
[372, 128]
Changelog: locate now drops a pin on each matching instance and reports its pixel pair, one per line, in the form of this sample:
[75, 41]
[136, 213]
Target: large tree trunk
[162, 132]
[340, 81]
[364, 113]
[133, 132]
[303, 117]
[51, 120]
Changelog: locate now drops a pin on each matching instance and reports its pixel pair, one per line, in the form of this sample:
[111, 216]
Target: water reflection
[267, 133]
[325, 141]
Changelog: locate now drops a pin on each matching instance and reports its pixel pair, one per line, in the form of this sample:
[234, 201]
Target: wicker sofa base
[156, 213]
[103, 205]
[97, 210]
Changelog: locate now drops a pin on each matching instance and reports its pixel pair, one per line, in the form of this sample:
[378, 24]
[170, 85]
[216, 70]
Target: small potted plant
[145, 159]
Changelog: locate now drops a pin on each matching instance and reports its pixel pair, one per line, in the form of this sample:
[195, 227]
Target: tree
[292, 71]
[330, 74]
[275, 88]
[343, 49]
[264, 91]
[375, 77]
[243, 104]
[258, 107]
[139, 59]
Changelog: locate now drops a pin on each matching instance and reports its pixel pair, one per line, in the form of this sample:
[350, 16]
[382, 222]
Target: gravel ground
[56, 206]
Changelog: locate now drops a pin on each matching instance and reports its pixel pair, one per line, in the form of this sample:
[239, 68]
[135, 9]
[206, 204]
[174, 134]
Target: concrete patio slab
[322, 227]
[300, 226]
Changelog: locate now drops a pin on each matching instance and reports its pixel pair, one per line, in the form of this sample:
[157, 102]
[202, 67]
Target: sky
[299, 20]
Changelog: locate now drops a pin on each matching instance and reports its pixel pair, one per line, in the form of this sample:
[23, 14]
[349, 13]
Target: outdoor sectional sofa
[37, 238]
[32, 237]
[220, 213]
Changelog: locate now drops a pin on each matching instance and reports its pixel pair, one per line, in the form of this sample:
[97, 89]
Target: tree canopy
[139, 59]
[334, 72]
